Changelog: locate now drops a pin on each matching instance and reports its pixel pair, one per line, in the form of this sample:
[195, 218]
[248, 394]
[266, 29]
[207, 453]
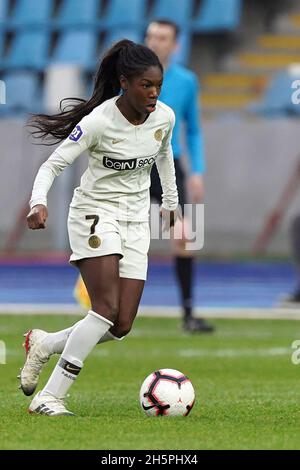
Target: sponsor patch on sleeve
[76, 134]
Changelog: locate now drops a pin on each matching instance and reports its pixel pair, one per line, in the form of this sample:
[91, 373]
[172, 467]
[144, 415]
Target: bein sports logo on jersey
[132, 164]
[76, 134]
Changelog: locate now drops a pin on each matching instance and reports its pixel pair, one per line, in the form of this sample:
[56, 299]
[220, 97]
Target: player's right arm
[82, 138]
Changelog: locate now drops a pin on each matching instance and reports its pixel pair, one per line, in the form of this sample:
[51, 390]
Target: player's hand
[195, 188]
[169, 217]
[37, 217]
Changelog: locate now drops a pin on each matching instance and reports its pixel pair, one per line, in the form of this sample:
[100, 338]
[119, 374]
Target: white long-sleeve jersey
[120, 158]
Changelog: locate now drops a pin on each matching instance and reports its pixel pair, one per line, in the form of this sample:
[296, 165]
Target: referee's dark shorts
[156, 189]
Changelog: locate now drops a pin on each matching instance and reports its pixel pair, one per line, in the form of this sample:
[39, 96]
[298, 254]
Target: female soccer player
[162, 38]
[108, 218]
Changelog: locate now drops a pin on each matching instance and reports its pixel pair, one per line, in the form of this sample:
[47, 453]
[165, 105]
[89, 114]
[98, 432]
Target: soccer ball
[167, 392]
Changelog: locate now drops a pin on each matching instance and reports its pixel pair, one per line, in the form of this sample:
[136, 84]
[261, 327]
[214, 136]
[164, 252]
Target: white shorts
[92, 234]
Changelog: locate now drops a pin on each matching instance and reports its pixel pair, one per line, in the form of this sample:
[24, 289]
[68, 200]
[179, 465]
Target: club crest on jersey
[76, 134]
[158, 135]
[94, 241]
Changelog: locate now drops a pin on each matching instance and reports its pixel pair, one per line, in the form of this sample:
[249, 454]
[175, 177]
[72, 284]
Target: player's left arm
[195, 144]
[166, 171]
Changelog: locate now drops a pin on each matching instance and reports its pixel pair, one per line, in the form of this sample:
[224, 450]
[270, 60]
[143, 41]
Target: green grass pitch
[247, 389]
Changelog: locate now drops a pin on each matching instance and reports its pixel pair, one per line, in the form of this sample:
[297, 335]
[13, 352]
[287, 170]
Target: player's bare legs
[184, 264]
[41, 345]
[125, 303]
[101, 276]
[130, 295]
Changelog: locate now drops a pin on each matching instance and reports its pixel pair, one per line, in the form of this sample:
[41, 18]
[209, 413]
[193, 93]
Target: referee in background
[180, 91]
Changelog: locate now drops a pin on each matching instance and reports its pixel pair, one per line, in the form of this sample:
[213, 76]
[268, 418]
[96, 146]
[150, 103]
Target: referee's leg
[184, 266]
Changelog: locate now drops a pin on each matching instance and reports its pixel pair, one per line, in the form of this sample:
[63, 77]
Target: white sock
[109, 337]
[55, 343]
[80, 343]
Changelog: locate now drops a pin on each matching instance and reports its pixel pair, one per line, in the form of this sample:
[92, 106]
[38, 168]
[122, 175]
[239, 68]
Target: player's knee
[181, 234]
[123, 329]
[107, 308]
[179, 244]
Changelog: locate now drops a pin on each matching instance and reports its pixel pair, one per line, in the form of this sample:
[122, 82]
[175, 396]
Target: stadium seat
[78, 13]
[179, 11]
[277, 99]
[31, 13]
[29, 49]
[125, 13]
[4, 7]
[217, 15]
[23, 93]
[77, 47]
[117, 34]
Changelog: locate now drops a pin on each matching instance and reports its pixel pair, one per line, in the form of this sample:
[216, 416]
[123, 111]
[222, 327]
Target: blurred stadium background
[247, 56]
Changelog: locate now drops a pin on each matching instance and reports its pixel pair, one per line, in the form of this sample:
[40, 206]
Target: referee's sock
[184, 271]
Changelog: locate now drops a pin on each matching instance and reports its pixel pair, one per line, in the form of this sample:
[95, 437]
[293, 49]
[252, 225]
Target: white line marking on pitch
[234, 352]
[154, 311]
